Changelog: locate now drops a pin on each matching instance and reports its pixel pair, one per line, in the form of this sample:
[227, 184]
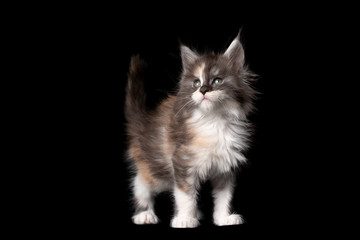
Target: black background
[278, 190]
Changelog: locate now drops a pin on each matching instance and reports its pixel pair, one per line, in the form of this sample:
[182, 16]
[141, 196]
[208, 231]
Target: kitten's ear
[188, 56]
[235, 53]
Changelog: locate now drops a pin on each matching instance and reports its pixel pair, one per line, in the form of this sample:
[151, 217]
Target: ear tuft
[235, 53]
[188, 56]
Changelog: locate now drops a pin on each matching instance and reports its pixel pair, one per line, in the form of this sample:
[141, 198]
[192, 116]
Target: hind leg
[144, 202]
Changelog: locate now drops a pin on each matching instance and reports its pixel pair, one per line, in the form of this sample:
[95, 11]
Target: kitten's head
[212, 81]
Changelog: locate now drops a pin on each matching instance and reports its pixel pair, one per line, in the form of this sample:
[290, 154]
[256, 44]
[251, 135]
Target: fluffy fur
[199, 134]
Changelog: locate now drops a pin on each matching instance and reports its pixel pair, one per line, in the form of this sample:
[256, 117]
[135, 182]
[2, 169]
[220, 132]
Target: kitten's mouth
[205, 99]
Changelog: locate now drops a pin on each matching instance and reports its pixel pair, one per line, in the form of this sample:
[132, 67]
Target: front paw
[233, 219]
[184, 222]
[146, 217]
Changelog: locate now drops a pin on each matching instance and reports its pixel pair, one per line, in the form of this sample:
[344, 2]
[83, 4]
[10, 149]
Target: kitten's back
[150, 147]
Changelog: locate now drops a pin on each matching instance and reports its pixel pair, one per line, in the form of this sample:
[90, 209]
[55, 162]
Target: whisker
[187, 103]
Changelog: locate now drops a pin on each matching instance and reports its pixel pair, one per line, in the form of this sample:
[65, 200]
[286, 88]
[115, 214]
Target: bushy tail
[135, 108]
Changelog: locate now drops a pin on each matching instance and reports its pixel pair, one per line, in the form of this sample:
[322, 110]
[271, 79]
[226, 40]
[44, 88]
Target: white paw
[233, 219]
[184, 222]
[147, 217]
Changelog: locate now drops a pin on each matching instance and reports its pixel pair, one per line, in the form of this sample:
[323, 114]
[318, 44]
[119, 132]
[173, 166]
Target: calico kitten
[199, 134]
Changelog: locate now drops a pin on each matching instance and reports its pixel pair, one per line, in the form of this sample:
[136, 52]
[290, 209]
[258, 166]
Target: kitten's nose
[204, 89]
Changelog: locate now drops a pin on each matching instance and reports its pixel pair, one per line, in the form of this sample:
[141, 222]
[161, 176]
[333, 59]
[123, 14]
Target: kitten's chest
[217, 143]
[211, 135]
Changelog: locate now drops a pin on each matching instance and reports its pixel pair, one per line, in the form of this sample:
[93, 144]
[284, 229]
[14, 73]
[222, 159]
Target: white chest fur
[218, 141]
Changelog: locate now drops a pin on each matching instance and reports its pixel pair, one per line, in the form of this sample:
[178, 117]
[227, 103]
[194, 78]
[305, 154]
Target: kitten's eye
[217, 81]
[197, 83]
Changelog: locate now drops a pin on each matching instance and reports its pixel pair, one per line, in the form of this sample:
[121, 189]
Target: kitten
[199, 134]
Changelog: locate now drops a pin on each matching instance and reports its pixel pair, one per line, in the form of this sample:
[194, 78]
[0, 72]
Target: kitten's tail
[135, 110]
